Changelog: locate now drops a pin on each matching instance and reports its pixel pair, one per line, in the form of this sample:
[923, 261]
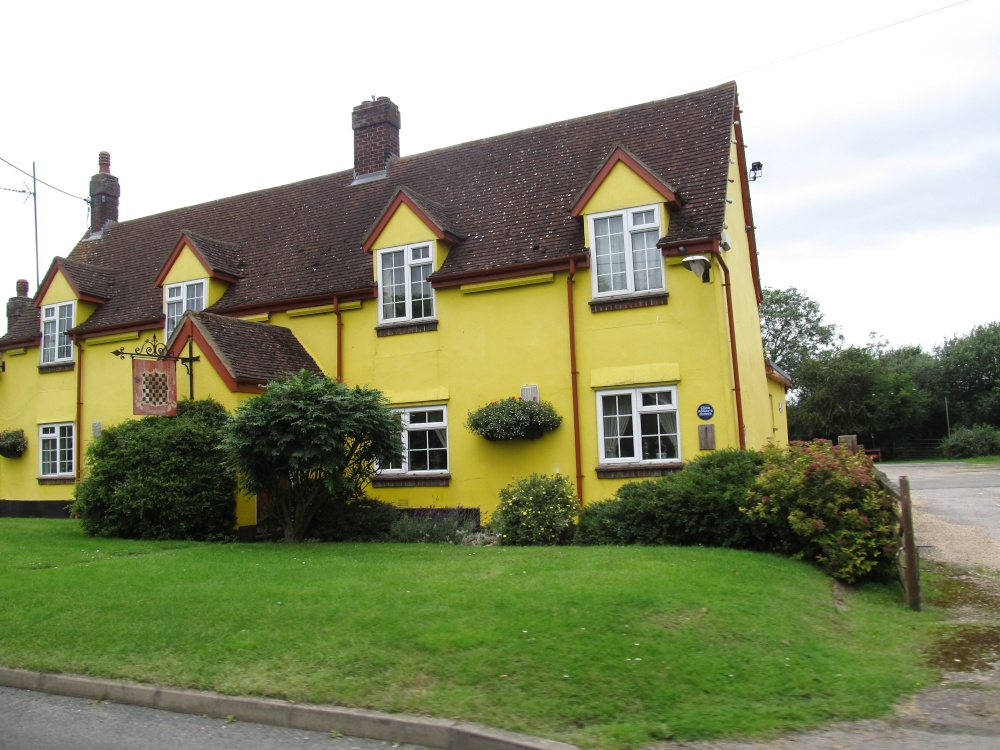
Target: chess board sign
[154, 387]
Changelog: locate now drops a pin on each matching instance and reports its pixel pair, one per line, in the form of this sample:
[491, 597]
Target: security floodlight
[698, 265]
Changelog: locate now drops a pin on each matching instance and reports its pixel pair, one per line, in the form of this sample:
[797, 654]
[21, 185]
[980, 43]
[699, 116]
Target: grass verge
[603, 647]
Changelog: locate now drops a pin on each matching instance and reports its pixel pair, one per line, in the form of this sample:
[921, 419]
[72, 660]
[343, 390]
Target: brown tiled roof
[222, 257]
[253, 353]
[87, 279]
[510, 195]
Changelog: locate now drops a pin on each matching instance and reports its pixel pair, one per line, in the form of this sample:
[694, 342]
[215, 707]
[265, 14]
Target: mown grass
[603, 647]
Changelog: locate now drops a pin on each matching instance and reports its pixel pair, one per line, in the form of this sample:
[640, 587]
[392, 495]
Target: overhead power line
[833, 44]
[85, 200]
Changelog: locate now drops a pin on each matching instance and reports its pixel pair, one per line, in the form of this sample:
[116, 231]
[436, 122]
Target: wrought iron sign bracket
[153, 349]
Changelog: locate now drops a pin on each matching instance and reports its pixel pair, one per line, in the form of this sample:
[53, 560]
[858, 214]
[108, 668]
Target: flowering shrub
[13, 443]
[513, 418]
[824, 505]
[538, 509]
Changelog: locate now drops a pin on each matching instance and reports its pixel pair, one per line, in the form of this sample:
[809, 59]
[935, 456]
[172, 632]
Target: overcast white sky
[880, 195]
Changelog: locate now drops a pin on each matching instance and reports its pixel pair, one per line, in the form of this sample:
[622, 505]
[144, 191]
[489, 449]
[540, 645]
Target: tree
[970, 376]
[835, 394]
[309, 442]
[793, 329]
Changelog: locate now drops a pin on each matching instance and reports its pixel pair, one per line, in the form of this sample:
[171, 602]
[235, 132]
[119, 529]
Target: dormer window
[56, 322]
[178, 298]
[404, 292]
[624, 255]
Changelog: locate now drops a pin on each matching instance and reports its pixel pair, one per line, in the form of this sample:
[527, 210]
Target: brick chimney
[376, 137]
[15, 305]
[104, 192]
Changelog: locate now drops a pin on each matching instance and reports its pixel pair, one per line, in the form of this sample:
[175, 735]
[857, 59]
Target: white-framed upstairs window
[624, 257]
[638, 425]
[404, 293]
[57, 444]
[425, 441]
[56, 321]
[179, 298]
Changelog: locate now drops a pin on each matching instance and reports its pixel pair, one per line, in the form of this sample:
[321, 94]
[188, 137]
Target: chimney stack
[104, 192]
[15, 305]
[376, 137]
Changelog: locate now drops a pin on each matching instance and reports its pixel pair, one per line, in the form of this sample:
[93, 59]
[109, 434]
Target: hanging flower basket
[513, 419]
[13, 443]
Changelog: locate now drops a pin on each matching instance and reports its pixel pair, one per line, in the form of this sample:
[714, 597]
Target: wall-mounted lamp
[698, 265]
[755, 170]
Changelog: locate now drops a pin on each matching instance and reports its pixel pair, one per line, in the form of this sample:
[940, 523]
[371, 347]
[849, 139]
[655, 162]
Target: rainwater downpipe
[574, 375]
[340, 339]
[732, 344]
[78, 434]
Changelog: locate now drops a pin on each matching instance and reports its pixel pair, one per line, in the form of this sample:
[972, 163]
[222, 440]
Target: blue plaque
[706, 412]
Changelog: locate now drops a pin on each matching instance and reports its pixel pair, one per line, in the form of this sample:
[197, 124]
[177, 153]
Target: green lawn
[601, 646]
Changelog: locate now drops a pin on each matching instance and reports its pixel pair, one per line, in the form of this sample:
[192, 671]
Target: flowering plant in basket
[13, 443]
[513, 418]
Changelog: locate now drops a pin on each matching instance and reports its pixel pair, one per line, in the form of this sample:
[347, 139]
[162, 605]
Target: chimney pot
[17, 305]
[22, 287]
[104, 162]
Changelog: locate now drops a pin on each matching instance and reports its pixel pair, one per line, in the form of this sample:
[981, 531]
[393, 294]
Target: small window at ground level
[425, 441]
[638, 425]
[57, 443]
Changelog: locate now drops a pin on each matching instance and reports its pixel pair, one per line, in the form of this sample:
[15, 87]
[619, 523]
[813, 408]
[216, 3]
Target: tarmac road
[37, 721]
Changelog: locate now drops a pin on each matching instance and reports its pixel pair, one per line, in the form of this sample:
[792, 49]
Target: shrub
[513, 418]
[698, 505]
[969, 442]
[823, 504]
[309, 442]
[538, 509]
[13, 443]
[434, 525]
[160, 478]
[360, 519]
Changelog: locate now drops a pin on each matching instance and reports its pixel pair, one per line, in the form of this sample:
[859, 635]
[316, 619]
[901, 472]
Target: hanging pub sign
[154, 387]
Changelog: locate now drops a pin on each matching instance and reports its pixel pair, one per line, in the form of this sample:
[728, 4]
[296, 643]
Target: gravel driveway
[956, 518]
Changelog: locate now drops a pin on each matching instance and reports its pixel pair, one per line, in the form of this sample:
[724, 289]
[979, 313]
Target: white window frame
[415, 260]
[182, 297]
[59, 437]
[414, 446]
[57, 319]
[637, 411]
[631, 230]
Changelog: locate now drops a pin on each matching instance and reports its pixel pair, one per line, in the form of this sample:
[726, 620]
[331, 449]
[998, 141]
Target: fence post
[911, 569]
[850, 442]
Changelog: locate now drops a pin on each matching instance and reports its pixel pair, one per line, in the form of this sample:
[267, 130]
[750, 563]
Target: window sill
[56, 480]
[397, 329]
[633, 471]
[606, 304]
[412, 480]
[57, 367]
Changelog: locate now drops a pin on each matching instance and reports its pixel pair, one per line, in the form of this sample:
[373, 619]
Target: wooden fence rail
[908, 562]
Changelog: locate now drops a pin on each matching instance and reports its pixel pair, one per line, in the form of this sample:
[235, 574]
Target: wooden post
[848, 441]
[911, 572]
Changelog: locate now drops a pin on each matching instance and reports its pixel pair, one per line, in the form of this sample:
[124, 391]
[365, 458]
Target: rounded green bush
[970, 442]
[537, 509]
[160, 478]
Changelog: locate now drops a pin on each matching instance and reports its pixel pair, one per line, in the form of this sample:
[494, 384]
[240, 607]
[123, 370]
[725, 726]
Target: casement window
[404, 293]
[638, 425]
[178, 298]
[425, 441]
[56, 322]
[57, 449]
[624, 256]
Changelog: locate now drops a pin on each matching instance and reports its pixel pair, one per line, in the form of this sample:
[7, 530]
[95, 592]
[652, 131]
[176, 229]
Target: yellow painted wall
[492, 338]
[622, 188]
[779, 412]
